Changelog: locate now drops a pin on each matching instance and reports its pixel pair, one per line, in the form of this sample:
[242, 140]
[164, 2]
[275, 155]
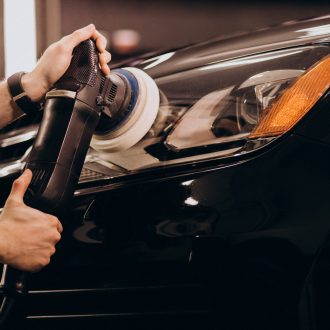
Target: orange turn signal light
[295, 101]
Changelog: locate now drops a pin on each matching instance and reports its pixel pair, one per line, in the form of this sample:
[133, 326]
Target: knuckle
[56, 236]
[18, 180]
[17, 183]
[60, 227]
[52, 47]
[53, 220]
[52, 250]
[60, 46]
[78, 34]
[44, 261]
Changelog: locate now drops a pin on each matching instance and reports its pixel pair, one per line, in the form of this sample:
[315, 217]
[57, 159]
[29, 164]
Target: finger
[106, 56]
[78, 36]
[55, 222]
[105, 69]
[52, 250]
[59, 226]
[20, 186]
[58, 237]
[100, 41]
[103, 59]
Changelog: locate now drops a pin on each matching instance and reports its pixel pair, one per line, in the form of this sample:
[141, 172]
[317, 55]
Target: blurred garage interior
[138, 26]
[134, 27]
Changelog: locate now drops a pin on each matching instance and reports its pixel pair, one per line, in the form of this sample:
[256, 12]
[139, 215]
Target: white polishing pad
[140, 120]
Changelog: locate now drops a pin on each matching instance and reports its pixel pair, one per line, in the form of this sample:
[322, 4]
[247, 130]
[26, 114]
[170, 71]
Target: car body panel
[290, 34]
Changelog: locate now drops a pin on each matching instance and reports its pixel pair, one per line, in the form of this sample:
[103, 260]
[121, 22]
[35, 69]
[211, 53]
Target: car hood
[181, 89]
[289, 34]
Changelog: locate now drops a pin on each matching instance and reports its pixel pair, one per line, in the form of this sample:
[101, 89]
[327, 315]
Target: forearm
[51, 66]
[8, 110]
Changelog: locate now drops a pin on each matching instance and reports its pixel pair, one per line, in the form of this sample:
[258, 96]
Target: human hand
[56, 59]
[27, 236]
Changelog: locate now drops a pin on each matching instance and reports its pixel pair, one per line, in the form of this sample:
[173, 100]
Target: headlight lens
[263, 106]
[295, 101]
[230, 114]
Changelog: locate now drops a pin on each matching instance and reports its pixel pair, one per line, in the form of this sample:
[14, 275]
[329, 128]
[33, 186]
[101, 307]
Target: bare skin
[51, 66]
[28, 236]
[46, 75]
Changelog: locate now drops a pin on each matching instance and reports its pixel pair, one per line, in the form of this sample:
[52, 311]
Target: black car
[219, 217]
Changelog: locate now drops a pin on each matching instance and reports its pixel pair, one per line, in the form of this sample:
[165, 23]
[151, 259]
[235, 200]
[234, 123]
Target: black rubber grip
[83, 68]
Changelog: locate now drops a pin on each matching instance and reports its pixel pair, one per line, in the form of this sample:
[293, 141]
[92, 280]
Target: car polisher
[118, 110]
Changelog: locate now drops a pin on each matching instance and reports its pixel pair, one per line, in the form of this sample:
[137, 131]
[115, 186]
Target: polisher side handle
[83, 70]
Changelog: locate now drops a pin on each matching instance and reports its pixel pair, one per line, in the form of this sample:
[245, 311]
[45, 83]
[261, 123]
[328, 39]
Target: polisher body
[72, 112]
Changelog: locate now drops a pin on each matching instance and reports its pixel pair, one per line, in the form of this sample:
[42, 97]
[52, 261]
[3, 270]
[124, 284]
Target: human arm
[28, 236]
[51, 66]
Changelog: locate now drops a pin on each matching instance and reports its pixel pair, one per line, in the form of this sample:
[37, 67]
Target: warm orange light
[295, 101]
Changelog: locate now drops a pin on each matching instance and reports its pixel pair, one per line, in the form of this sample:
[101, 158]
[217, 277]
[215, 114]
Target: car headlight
[264, 106]
[295, 101]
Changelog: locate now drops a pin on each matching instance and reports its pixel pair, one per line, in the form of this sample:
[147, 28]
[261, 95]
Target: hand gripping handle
[70, 116]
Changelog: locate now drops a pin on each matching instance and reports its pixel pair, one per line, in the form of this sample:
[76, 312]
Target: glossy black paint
[249, 242]
[236, 243]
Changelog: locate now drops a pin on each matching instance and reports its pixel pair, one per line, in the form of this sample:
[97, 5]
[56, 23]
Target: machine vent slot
[102, 85]
[113, 92]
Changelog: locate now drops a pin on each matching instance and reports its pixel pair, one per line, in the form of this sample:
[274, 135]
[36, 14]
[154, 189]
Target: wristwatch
[19, 96]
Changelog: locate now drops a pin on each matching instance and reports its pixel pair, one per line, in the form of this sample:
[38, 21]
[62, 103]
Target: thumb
[20, 186]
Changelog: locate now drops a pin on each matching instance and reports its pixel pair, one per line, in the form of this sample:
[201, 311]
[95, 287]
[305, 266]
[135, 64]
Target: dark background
[167, 24]
[163, 24]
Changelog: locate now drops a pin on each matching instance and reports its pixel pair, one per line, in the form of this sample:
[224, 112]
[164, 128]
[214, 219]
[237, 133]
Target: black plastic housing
[72, 111]
[59, 151]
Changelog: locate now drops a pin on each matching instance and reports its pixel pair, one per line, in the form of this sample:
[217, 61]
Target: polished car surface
[205, 223]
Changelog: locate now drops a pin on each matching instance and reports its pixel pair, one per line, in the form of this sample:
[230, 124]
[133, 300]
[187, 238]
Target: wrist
[34, 86]
[26, 101]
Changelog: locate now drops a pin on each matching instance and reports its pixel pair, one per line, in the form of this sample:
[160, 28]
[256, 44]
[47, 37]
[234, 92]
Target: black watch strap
[19, 96]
